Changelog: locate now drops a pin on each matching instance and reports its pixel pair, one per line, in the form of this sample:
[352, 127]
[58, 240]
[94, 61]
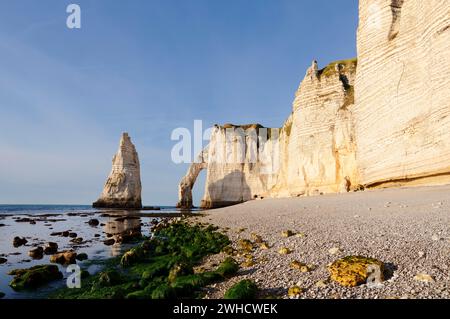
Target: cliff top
[346, 65]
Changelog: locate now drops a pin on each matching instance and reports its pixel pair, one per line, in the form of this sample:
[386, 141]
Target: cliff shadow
[230, 190]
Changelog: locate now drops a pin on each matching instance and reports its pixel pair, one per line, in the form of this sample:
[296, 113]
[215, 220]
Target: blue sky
[146, 67]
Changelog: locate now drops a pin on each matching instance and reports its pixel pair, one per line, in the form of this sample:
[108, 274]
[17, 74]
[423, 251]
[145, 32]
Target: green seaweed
[160, 268]
[34, 277]
[245, 289]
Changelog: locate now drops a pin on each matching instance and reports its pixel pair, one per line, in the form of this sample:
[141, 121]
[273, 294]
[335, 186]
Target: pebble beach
[407, 229]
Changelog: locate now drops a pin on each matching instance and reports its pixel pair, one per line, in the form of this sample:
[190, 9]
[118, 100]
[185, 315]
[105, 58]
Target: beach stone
[2, 294]
[334, 251]
[64, 258]
[73, 235]
[109, 242]
[295, 264]
[284, 251]
[351, 271]
[93, 222]
[3, 260]
[287, 233]
[19, 241]
[50, 248]
[422, 277]
[36, 253]
[65, 233]
[77, 240]
[295, 291]
[246, 245]
[34, 277]
[97, 235]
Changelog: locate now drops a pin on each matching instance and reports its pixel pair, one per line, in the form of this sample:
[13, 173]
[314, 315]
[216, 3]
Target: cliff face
[123, 186]
[317, 143]
[382, 119]
[402, 91]
[314, 152]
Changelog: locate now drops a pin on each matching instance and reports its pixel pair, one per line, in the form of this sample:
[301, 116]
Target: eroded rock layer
[123, 186]
[402, 91]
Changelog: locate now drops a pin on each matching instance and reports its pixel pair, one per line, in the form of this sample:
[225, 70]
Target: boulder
[19, 241]
[50, 248]
[64, 258]
[36, 253]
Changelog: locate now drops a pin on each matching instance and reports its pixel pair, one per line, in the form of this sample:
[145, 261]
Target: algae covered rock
[163, 292]
[294, 291]
[64, 258]
[352, 271]
[295, 264]
[108, 278]
[179, 269]
[245, 245]
[228, 267]
[131, 256]
[34, 277]
[245, 289]
[287, 233]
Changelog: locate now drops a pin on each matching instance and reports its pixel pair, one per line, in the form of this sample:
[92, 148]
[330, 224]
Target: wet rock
[81, 257]
[34, 277]
[108, 278]
[93, 222]
[77, 240]
[23, 220]
[109, 242]
[334, 251]
[56, 234]
[180, 269]
[50, 248]
[129, 236]
[3, 260]
[19, 241]
[64, 258]
[352, 271]
[2, 225]
[2, 294]
[36, 253]
[32, 222]
[97, 235]
[73, 235]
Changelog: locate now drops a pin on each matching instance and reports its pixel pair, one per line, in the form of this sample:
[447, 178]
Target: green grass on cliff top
[330, 69]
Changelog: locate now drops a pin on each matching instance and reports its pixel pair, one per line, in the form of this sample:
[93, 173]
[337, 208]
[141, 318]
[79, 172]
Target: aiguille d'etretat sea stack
[344, 195]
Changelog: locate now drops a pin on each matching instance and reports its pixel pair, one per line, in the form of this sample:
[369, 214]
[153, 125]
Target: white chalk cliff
[123, 186]
[381, 119]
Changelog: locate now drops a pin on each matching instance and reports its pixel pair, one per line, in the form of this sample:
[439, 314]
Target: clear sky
[146, 67]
